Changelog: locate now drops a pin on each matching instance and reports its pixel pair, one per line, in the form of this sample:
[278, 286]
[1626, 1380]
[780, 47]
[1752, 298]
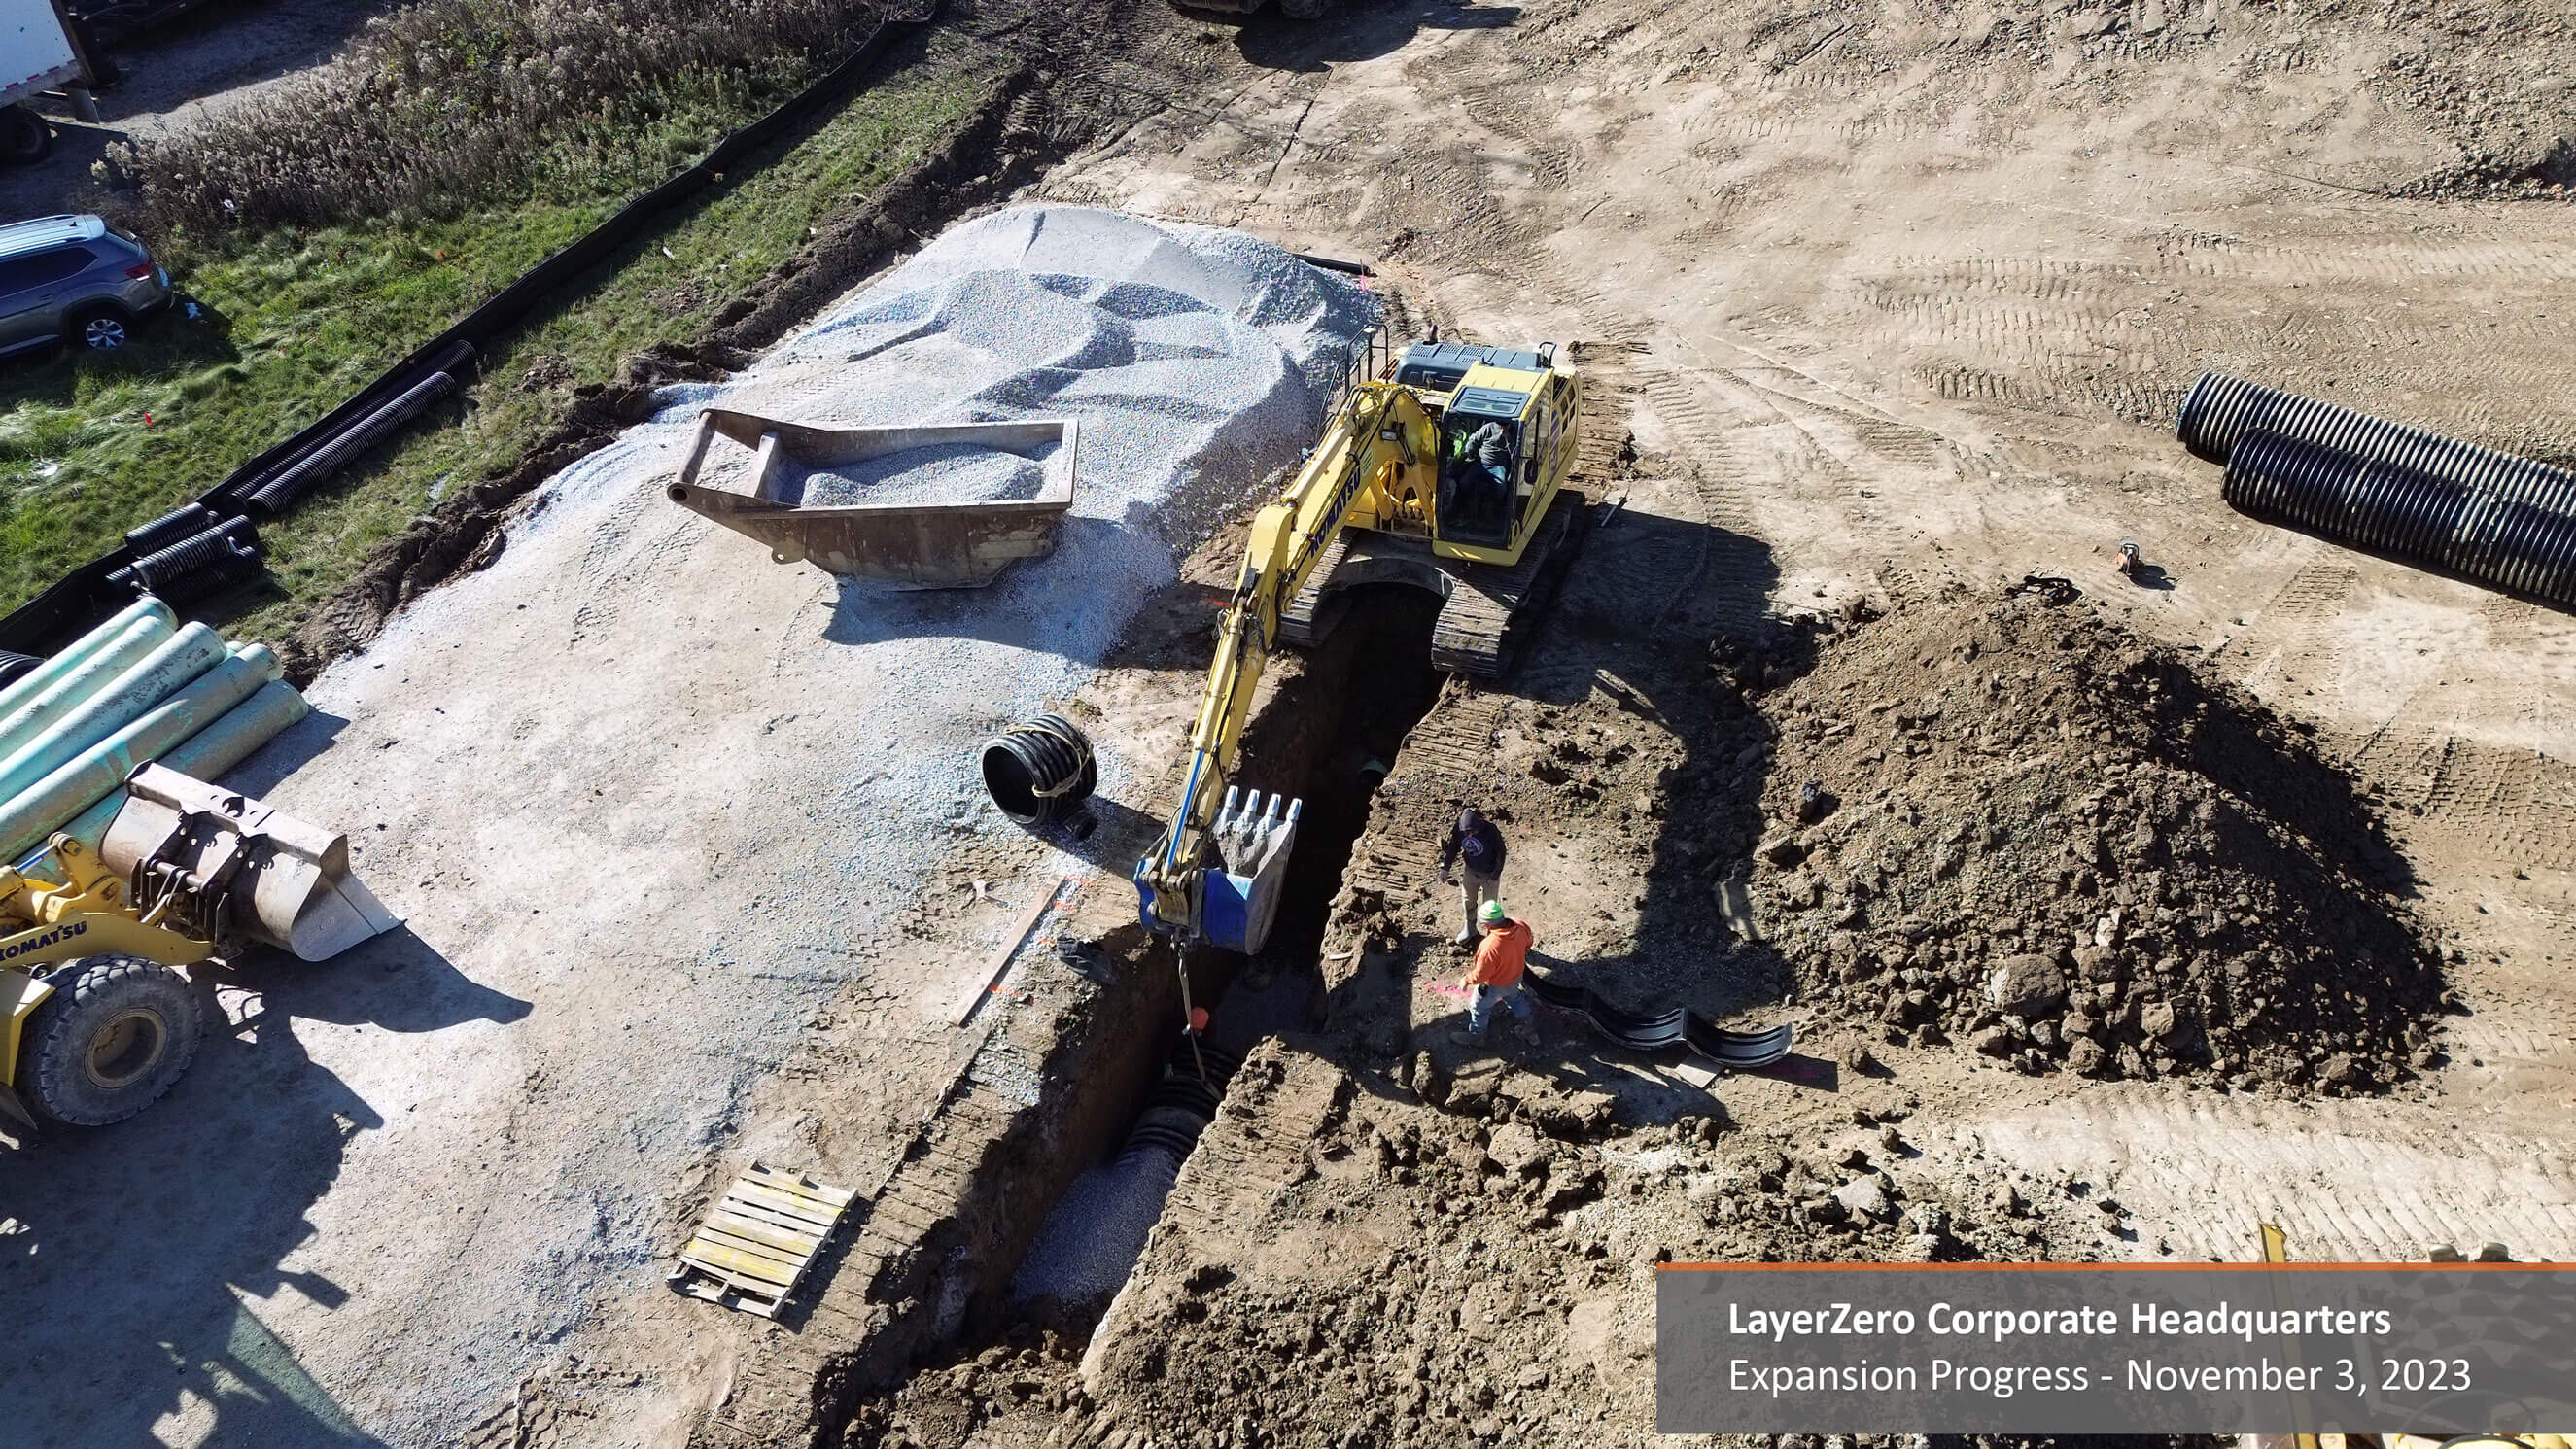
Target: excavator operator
[1482, 474]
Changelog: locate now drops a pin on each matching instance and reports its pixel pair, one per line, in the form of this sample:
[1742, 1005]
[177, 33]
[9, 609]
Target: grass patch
[298, 318]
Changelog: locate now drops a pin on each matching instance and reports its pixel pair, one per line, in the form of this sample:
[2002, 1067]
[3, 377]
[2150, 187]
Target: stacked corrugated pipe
[2394, 490]
[139, 688]
[189, 553]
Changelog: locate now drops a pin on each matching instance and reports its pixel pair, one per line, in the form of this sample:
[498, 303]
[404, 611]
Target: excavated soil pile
[2022, 827]
[1349, 1262]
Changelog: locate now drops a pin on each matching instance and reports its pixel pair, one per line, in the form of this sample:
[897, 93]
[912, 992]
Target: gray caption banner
[2101, 1349]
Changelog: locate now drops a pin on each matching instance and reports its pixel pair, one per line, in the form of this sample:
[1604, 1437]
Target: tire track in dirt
[2303, 615]
[618, 566]
[1716, 125]
[2201, 1172]
[2508, 807]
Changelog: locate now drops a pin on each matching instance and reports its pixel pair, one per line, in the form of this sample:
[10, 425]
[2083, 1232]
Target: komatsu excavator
[1448, 476]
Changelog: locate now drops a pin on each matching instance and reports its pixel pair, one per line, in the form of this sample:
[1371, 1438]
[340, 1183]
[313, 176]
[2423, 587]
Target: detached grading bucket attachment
[235, 867]
[907, 545]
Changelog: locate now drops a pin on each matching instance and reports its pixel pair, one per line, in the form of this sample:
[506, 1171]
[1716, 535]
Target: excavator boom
[1380, 447]
[1447, 471]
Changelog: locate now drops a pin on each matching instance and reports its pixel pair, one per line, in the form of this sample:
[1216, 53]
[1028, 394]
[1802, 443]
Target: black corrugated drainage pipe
[2220, 411]
[362, 436]
[185, 521]
[1182, 1102]
[1041, 771]
[2406, 514]
[195, 566]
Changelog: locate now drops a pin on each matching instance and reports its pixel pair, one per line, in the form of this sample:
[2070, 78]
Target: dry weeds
[450, 104]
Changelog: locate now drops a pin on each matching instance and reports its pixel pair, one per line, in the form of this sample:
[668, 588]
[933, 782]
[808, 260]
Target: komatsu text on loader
[96, 1018]
[1448, 475]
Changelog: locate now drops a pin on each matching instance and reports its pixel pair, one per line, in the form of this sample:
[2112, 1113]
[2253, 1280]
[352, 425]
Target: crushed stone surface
[646, 801]
[1094, 1232]
[937, 473]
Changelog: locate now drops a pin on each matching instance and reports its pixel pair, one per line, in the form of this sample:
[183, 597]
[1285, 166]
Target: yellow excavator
[1450, 476]
[96, 1018]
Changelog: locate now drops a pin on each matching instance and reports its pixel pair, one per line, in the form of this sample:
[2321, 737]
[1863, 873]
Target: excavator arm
[1381, 435]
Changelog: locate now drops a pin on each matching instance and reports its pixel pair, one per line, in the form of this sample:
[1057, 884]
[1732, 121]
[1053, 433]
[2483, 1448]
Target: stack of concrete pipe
[139, 688]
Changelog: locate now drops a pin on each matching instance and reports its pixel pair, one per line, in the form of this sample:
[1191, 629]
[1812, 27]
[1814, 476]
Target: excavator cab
[1507, 438]
[1479, 480]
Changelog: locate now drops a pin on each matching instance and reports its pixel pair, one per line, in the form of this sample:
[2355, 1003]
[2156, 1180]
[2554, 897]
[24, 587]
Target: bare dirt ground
[1916, 293]
[1898, 302]
[1892, 300]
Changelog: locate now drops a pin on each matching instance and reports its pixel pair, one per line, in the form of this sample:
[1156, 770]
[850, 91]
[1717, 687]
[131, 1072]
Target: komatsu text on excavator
[1445, 471]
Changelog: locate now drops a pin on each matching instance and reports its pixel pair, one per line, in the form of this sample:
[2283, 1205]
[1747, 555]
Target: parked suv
[74, 279]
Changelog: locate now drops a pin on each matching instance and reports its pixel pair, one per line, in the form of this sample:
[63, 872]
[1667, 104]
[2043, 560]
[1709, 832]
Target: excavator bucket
[239, 867]
[1238, 903]
[955, 545]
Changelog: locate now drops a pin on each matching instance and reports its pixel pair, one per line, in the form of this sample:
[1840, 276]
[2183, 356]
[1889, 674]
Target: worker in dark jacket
[1475, 844]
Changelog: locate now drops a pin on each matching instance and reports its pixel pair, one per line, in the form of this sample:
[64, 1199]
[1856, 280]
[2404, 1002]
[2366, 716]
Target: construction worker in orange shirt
[1494, 976]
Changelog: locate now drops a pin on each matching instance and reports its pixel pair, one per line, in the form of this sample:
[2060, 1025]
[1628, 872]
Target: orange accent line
[2116, 1267]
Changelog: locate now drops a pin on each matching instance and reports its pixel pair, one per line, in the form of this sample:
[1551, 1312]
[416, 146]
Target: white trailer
[37, 54]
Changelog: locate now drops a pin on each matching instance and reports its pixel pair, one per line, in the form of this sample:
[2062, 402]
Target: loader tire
[114, 1036]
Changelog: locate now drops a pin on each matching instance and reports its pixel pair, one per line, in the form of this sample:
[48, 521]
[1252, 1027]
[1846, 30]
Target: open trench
[1329, 736]
[1046, 1220]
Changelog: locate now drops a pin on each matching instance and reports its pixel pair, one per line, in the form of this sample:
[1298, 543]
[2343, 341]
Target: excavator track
[1492, 612]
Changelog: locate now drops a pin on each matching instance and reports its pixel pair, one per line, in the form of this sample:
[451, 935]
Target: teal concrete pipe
[189, 653]
[205, 756]
[38, 811]
[104, 664]
[35, 681]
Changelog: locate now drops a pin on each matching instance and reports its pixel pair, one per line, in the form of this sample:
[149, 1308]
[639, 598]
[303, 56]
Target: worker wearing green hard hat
[1494, 977]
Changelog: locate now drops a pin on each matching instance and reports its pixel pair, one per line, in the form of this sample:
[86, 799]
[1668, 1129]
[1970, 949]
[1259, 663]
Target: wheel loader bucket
[239, 866]
[907, 545]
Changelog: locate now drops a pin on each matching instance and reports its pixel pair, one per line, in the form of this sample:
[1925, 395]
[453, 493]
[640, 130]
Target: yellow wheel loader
[1448, 475]
[96, 1018]
[100, 1021]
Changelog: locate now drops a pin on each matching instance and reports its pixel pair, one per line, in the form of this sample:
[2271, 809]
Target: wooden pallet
[759, 1240]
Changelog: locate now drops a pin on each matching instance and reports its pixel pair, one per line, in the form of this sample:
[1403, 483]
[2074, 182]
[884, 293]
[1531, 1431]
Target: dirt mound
[2021, 827]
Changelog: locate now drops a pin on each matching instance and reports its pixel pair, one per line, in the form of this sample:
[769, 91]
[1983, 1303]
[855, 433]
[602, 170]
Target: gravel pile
[2021, 828]
[1198, 361]
[940, 473]
[1188, 354]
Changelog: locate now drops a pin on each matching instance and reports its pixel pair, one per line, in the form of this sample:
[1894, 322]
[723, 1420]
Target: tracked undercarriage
[1488, 612]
